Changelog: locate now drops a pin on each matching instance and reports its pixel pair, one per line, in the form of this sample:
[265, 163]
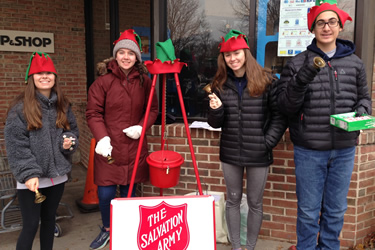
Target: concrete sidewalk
[79, 231]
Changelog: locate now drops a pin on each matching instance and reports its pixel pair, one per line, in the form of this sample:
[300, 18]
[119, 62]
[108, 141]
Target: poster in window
[294, 35]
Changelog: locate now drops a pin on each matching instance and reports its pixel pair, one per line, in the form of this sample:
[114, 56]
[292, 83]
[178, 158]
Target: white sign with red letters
[163, 223]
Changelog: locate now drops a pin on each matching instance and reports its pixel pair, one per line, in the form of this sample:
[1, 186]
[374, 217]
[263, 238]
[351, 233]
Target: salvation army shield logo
[163, 227]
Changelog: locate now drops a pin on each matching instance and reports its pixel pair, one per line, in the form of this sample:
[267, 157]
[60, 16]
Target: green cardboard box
[349, 122]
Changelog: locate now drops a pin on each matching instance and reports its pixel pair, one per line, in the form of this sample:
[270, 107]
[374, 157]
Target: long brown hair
[32, 109]
[258, 78]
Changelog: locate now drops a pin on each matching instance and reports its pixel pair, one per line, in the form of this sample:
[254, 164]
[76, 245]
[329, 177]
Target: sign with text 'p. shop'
[163, 223]
[26, 41]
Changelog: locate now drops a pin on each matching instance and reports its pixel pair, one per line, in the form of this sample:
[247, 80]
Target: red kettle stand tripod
[156, 68]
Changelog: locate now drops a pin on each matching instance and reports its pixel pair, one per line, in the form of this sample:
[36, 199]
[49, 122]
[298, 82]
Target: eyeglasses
[333, 22]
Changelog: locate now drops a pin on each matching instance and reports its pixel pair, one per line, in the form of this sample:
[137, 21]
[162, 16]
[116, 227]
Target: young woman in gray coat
[41, 134]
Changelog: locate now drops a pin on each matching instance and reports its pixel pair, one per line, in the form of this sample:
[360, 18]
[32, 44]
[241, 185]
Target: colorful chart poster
[294, 35]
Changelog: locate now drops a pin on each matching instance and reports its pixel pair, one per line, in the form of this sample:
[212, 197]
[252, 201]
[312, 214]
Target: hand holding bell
[110, 159]
[39, 198]
[208, 89]
[307, 72]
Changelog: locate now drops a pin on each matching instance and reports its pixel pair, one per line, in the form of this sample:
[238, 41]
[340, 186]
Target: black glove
[306, 74]
[360, 111]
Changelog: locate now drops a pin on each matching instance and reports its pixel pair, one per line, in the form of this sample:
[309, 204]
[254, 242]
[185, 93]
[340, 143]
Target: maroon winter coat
[116, 102]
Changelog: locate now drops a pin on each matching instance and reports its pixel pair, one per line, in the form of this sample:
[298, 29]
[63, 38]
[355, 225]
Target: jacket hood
[343, 48]
[110, 65]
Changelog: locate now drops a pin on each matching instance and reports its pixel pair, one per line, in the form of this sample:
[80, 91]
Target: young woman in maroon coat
[115, 113]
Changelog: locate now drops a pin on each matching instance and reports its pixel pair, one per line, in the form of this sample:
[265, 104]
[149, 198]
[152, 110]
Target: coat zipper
[336, 75]
[240, 124]
[333, 73]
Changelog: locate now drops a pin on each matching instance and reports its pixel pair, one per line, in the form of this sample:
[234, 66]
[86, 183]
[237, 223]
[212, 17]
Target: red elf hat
[326, 5]
[40, 62]
[129, 39]
[234, 40]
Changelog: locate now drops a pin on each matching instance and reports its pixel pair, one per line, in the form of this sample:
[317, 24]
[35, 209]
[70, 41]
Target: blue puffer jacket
[251, 126]
[39, 153]
[340, 87]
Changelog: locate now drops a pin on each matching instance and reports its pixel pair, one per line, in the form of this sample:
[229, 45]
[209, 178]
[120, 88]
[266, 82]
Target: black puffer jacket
[340, 87]
[251, 126]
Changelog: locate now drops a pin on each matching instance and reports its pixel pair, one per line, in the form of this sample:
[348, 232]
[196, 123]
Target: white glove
[104, 147]
[133, 132]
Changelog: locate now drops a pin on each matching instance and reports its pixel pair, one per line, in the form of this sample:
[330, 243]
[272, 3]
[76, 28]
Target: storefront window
[196, 27]
[100, 32]
[137, 17]
[268, 13]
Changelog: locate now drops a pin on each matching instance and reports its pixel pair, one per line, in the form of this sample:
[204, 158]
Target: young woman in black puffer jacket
[244, 105]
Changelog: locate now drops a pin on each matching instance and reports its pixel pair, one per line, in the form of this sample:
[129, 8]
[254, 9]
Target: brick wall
[65, 19]
[280, 203]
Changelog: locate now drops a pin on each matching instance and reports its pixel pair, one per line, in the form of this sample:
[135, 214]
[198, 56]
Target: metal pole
[142, 136]
[188, 132]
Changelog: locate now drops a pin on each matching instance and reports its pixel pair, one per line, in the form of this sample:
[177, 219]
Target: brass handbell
[319, 62]
[39, 198]
[110, 159]
[208, 88]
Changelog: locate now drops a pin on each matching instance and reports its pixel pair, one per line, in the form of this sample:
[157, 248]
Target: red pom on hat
[316, 10]
[40, 62]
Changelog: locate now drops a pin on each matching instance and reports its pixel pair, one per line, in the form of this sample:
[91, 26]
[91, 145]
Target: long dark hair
[32, 109]
[258, 78]
[141, 68]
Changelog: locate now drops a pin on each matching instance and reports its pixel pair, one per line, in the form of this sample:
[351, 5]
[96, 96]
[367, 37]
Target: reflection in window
[273, 14]
[271, 60]
[196, 27]
[100, 36]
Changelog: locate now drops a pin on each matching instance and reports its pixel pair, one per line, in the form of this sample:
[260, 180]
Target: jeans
[108, 193]
[322, 185]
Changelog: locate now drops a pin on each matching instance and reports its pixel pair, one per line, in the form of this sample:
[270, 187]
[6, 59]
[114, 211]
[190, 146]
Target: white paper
[204, 125]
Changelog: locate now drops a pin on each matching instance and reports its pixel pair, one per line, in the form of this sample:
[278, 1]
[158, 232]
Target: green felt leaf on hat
[232, 33]
[165, 51]
[319, 2]
[139, 40]
[235, 33]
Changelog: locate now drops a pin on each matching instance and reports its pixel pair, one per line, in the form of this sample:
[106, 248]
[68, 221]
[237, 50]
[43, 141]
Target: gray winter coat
[39, 153]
